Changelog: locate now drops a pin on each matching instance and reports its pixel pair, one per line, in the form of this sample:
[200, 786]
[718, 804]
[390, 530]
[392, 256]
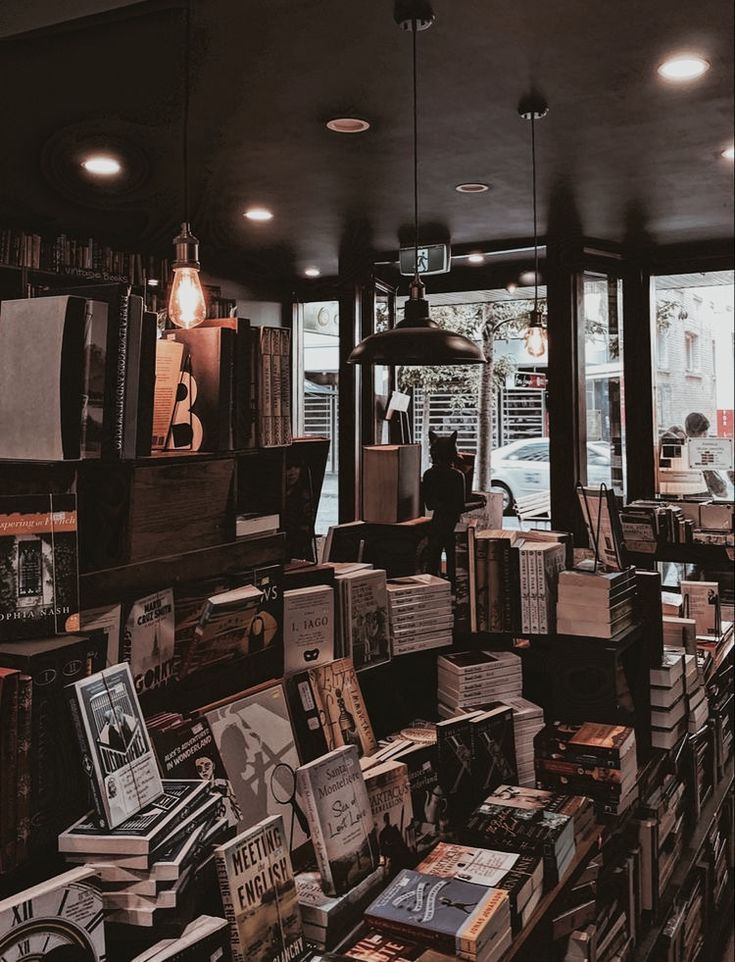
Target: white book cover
[365, 618]
[701, 602]
[116, 749]
[308, 628]
[60, 917]
[148, 640]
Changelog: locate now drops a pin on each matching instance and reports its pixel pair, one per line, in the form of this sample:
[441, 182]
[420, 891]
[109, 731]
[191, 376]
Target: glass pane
[382, 321]
[320, 395]
[604, 394]
[693, 384]
[495, 408]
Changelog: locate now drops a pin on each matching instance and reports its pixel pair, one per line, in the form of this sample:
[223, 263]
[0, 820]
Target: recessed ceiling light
[348, 125]
[729, 152]
[683, 67]
[476, 259]
[258, 214]
[472, 188]
[312, 272]
[102, 165]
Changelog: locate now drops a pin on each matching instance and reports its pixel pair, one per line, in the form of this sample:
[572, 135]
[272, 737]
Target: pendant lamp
[186, 304]
[416, 340]
[533, 108]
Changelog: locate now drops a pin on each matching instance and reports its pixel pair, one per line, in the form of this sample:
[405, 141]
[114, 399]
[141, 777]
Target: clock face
[62, 924]
[46, 940]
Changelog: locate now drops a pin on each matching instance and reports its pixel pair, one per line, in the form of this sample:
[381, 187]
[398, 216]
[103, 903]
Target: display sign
[434, 259]
[710, 453]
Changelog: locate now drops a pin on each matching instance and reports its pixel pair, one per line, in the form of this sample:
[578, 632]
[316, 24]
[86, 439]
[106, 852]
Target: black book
[454, 758]
[427, 797]
[492, 741]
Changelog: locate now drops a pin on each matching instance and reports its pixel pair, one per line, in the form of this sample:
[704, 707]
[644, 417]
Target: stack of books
[470, 679]
[207, 937]
[147, 864]
[420, 610]
[646, 524]
[694, 694]
[521, 876]
[327, 919]
[529, 822]
[668, 707]
[592, 759]
[457, 917]
[528, 720]
[596, 604]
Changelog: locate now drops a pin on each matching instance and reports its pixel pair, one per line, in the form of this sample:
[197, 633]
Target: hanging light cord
[185, 153]
[535, 217]
[415, 154]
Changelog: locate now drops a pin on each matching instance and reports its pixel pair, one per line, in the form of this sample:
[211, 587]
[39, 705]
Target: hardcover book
[188, 751]
[259, 894]
[364, 617]
[454, 756]
[389, 791]
[308, 628]
[222, 630]
[142, 833]
[116, 750]
[256, 743]
[470, 921]
[492, 744]
[428, 801]
[61, 917]
[39, 584]
[337, 808]
[148, 641]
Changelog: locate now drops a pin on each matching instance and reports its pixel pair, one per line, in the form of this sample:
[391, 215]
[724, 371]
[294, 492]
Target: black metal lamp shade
[417, 340]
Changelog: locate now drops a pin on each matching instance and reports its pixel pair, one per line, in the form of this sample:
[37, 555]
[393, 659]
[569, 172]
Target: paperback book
[341, 707]
[116, 750]
[364, 617]
[333, 793]
[308, 628]
[259, 894]
[389, 791]
[148, 640]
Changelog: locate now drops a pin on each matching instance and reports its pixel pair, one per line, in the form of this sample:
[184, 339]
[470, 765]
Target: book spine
[9, 761]
[87, 763]
[523, 587]
[543, 589]
[120, 362]
[228, 907]
[313, 817]
[481, 568]
[472, 578]
[23, 817]
[514, 588]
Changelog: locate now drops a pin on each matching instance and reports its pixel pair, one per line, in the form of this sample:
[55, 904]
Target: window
[691, 348]
[694, 329]
[531, 452]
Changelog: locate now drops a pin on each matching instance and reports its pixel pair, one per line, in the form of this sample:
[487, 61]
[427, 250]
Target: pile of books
[695, 696]
[592, 759]
[596, 604]
[420, 609]
[531, 822]
[521, 876]
[646, 524]
[528, 720]
[669, 720]
[459, 918]
[470, 679]
[148, 862]
[328, 919]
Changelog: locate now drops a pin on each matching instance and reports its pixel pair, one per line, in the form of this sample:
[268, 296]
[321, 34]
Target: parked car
[522, 468]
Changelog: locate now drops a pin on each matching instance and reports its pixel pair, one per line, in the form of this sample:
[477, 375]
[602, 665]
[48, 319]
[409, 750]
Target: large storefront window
[693, 384]
[603, 367]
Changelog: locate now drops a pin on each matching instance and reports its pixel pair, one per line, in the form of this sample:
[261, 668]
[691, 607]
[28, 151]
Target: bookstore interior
[367, 516]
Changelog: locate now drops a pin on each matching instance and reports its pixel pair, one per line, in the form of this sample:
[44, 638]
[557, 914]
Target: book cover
[365, 634]
[116, 750]
[259, 894]
[702, 603]
[428, 800]
[492, 744]
[454, 757]
[108, 620]
[39, 582]
[455, 916]
[204, 938]
[170, 359]
[9, 709]
[256, 743]
[342, 708]
[188, 751]
[389, 791]
[148, 640]
[337, 808]
[62, 917]
[142, 833]
[308, 628]
[373, 946]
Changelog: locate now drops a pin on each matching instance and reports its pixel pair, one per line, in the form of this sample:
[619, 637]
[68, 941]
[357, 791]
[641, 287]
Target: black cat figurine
[444, 494]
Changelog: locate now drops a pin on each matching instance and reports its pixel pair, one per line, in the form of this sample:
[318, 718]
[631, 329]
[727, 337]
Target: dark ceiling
[622, 147]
